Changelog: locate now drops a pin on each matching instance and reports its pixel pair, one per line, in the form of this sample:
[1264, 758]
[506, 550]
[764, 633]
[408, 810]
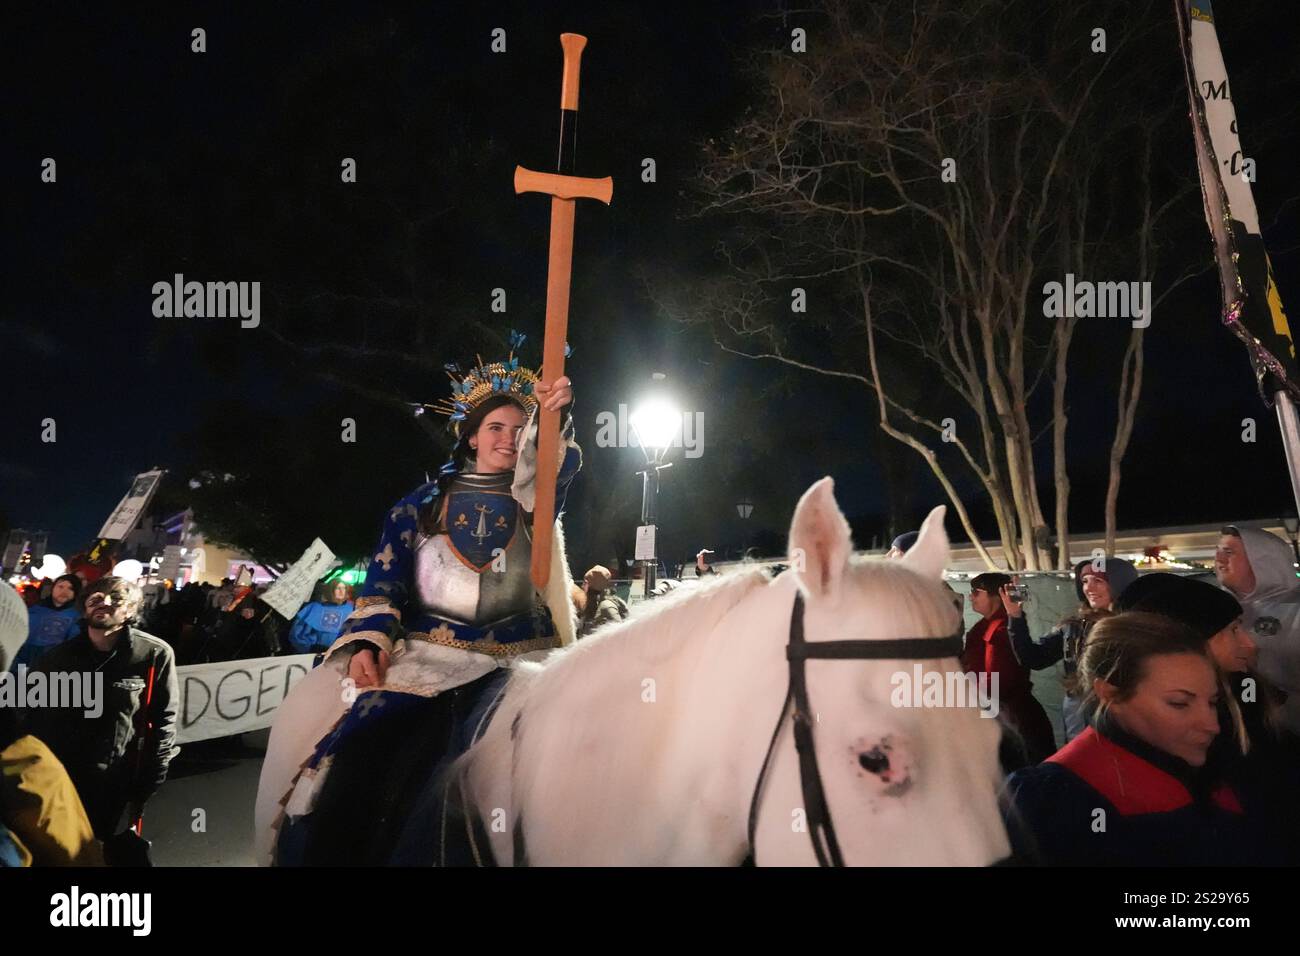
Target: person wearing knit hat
[1256, 757]
[1213, 614]
[602, 606]
[900, 547]
[902, 543]
[1097, 581]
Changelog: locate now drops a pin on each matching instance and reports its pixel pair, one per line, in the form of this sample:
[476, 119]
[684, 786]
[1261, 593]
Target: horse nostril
[874, 761]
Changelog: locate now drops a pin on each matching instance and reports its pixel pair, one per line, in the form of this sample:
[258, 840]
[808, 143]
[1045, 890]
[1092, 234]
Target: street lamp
[656, 422]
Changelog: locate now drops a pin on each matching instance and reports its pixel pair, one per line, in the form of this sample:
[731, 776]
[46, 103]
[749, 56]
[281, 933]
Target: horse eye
[874, 760]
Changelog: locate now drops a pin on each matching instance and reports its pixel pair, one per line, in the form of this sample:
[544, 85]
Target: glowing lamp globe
[51, 567]
[129, 569]
[656, 423]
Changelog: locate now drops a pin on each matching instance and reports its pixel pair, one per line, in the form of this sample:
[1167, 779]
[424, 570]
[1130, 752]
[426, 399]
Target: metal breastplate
[477, 572]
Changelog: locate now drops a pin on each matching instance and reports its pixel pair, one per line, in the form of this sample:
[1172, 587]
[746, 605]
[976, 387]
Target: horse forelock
[893, 601]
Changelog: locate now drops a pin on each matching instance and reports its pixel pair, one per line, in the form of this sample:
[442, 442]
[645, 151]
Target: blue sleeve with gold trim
[386, 596]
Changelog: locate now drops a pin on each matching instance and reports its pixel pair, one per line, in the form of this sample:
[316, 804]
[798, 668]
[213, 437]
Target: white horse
[643, 744]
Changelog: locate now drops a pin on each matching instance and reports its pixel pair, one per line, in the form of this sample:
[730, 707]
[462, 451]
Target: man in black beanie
[1212, 613]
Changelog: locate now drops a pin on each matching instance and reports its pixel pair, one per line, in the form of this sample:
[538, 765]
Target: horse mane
[667, 615]
[654, 634]
[556, 693]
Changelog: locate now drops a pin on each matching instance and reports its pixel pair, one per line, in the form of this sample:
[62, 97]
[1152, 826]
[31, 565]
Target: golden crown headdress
[470, 389]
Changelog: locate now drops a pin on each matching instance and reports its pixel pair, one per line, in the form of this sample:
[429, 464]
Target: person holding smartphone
[988, 652]
[1098, 582]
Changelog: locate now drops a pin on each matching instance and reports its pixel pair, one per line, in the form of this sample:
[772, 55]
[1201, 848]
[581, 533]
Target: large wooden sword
[564, 189]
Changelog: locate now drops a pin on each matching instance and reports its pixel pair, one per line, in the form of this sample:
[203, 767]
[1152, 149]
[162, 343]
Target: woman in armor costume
[447, 606]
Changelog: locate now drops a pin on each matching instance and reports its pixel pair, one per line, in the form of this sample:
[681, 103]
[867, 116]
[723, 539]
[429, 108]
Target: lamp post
[1292, 525]
[744, 508]
[656, 422]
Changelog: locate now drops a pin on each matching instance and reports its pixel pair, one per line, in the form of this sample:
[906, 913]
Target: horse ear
[819, 540]
[929, 555]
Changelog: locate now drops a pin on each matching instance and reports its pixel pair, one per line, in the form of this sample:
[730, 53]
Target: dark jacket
[1267, 776]
[100, 752]
[1060, 644]
[1110, 799]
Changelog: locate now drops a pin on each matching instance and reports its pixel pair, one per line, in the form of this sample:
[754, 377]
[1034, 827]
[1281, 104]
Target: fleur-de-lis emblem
[462, 521]
[442, 633]
[406, 537]
[501, 521]
[386, 557]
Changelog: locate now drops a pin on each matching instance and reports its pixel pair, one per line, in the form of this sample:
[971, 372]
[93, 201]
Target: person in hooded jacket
[51, 622]
[1098, 583]
[1259, 570]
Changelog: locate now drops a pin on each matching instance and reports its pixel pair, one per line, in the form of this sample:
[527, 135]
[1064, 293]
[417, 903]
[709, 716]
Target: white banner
[1212, 87]
[128, 511]
[293, 588]
[234, 697]
[645, 543]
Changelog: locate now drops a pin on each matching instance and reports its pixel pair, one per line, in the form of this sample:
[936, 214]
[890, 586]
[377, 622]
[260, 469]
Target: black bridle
[820, 829]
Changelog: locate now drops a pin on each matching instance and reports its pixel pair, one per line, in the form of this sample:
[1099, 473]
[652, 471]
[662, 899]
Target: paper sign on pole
[645, 542]
[171, 562]
[293, 588]
[234, 697]
[128, 511]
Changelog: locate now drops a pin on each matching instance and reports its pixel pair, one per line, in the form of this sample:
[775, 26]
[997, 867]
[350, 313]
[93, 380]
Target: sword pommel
[573, 44]
[563, 187]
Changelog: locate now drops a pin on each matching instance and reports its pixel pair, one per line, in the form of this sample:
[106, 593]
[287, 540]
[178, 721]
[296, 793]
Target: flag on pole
[1252, 307]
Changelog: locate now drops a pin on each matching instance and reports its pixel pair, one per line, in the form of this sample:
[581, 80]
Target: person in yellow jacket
[42, 821]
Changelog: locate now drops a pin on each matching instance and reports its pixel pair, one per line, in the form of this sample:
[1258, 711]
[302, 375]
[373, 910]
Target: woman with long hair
[1099, 583]
[318, 623]
[1134, 788]
[1253, 751]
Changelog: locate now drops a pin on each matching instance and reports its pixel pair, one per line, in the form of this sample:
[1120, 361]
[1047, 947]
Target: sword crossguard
[563, 187]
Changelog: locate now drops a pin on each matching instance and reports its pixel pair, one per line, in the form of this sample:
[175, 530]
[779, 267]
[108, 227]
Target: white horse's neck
[620, 732]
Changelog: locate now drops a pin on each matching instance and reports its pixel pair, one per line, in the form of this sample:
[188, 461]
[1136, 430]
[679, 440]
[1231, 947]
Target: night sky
[171, 161]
